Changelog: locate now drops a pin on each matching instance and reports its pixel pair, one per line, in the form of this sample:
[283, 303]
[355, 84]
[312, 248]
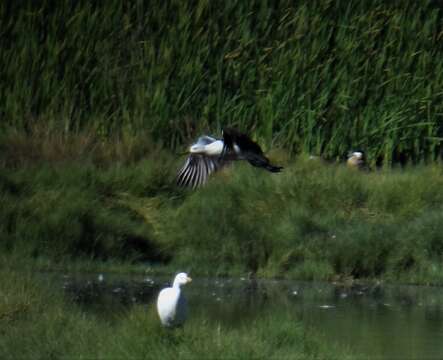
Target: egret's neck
[176, 285]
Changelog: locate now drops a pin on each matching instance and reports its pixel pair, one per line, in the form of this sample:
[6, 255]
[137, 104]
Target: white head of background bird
[357, 154]
[356, 159]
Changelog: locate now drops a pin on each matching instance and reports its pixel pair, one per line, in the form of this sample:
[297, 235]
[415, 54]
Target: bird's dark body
[232, 136]
[250, 150]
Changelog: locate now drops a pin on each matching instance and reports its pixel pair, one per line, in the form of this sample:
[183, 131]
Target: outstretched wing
[197, 169]
[247, 148]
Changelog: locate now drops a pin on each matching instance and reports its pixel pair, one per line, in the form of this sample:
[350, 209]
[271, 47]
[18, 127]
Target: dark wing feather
[250, 150]
[244, 142]
[197, 169]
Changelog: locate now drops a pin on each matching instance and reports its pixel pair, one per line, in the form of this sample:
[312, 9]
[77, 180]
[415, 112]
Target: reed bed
[317, 77]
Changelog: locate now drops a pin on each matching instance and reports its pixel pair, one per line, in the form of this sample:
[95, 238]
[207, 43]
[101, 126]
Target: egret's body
[171, 303]
[208, 155]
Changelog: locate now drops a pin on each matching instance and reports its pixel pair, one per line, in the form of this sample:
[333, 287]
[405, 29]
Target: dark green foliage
[80, 210]
[313, 221]
[311, 76]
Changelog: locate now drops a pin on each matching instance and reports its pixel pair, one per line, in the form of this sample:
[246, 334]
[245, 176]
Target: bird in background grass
[171, 303]
[356, 160]
[208, 155]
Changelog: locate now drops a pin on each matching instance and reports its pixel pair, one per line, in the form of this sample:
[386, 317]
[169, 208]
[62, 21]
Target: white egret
[171, 304]
[208, 155]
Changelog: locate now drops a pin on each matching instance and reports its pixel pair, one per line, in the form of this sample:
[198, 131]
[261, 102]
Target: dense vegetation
[310, 76]
[83, 200]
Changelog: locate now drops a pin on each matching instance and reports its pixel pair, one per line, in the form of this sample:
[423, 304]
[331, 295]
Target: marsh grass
[41, 144]
[51, 326]
[312, 76]
[315, 220]
[82, 195]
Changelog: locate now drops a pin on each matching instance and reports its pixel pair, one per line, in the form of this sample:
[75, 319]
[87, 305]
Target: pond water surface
[375, 321]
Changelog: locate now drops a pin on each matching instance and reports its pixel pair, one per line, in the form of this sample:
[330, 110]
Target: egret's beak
[189, 279]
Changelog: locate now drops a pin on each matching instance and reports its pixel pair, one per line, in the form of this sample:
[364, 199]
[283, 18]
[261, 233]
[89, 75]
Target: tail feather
[273, 168]
[263, 162]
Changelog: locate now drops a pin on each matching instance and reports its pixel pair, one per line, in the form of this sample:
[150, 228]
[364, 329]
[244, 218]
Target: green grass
[37, 322]
[311, 76]
[314, 220]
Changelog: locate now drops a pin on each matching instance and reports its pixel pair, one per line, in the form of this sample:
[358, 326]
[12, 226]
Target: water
[375, 321]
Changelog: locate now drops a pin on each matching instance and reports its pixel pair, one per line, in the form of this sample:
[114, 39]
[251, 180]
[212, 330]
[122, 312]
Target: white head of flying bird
[208, 155]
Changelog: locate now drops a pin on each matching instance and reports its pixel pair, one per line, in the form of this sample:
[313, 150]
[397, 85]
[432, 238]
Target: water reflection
[383, 322]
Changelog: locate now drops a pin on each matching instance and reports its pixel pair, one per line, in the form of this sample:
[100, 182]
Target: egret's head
[181, 279]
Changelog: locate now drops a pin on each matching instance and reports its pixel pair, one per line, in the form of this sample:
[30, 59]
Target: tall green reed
[311, 76]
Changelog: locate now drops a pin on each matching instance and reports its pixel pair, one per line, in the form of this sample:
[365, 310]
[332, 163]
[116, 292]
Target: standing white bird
[171, 304]
[208, 155]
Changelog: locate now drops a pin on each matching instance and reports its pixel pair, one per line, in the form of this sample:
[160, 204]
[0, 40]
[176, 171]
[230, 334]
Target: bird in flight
[208, 155]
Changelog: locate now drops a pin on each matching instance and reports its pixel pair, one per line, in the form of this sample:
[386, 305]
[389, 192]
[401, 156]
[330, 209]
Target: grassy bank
[103, 205]
[311, 76]
[37, 322]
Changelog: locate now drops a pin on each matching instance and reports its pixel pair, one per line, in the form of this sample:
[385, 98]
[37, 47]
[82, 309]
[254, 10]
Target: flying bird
[208, 155]
[171, 304]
